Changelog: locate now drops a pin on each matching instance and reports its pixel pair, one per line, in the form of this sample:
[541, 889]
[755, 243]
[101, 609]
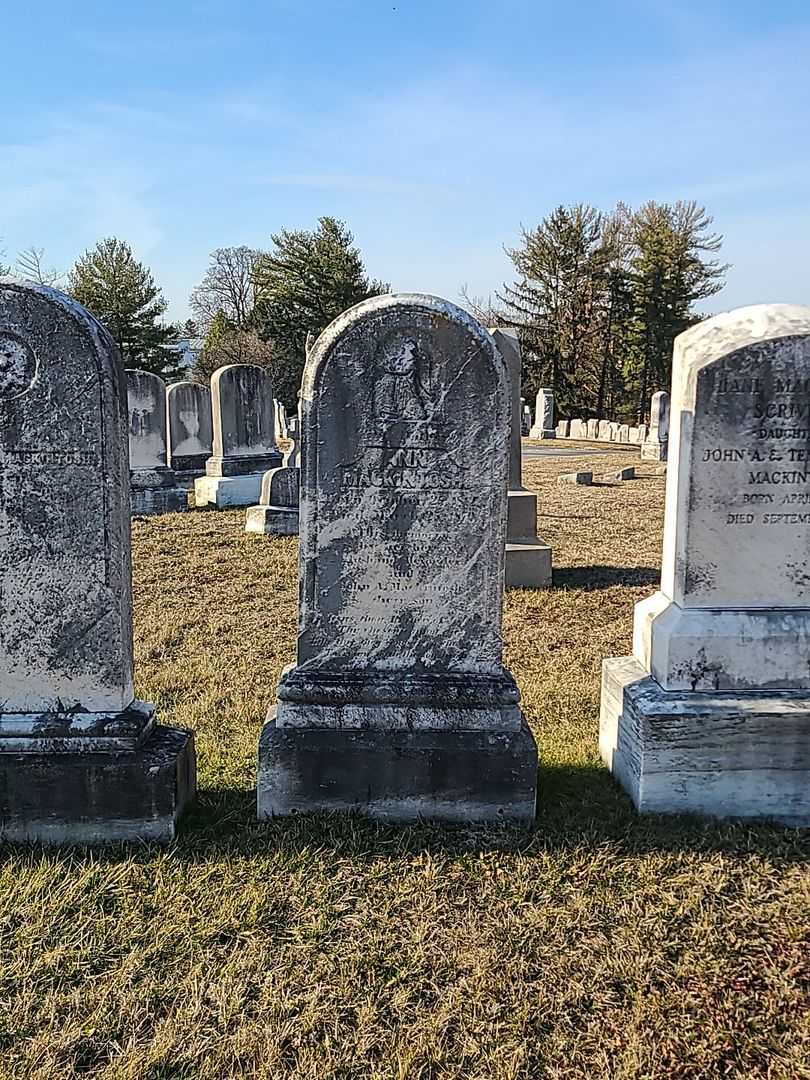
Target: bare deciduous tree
[229, 288]
[30, 266]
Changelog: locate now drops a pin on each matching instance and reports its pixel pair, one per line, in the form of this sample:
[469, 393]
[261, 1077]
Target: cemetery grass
[600, 944]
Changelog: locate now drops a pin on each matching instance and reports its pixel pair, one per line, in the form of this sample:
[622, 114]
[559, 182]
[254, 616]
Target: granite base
[528, 564]
[149, 501]
[400, 775]
[98, 798]
[272, 520]
[725, 755]
[226, 492]
[652, 450]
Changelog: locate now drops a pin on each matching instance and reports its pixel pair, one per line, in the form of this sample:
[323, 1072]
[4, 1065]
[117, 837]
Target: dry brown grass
[601, 945]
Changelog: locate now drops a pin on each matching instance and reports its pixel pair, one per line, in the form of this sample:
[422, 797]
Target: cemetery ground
[600, 944]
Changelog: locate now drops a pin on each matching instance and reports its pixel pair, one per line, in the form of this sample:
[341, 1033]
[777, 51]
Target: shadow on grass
[605, 577]
[580, 810]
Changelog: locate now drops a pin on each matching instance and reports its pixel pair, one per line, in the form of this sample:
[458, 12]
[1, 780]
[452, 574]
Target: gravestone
[604, 431]
[528, 558]
[578, 430]
[153, 485]
[81, 761]
[633, 435]
[711, 714]
[292, 456]
[526, 419]
[190, 429]
[244, 420]
[654, 447]
[592, 429]
[614, 431]
[544, 416]
[623, 434]
[277, 511]
[563, 428]
[399, 705]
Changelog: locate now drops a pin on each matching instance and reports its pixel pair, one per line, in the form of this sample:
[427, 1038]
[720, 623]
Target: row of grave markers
[652, 439]
[399, 705]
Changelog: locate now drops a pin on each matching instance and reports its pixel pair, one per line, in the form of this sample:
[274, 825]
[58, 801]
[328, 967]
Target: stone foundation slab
[528, 565]
[450, 775]
[98, 798]
[724, 755]
[225, 492]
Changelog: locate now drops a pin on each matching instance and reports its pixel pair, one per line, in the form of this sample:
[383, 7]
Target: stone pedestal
[735, 755]
[528, 558]
[448, 774]
[711, 714]
[93, 778]
[399, 705]
[156, 491]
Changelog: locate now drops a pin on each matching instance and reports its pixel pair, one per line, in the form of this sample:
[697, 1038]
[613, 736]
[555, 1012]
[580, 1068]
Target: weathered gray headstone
[528, 558]
[190, 428]
[153, 485]
[81, 761]
[711, 714]
[292, 456]
[654, 447]
[399, 705]
[544, 416]
[244, 420]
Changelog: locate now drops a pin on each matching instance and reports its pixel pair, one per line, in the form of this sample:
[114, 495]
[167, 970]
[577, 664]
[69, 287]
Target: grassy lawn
[598, 945]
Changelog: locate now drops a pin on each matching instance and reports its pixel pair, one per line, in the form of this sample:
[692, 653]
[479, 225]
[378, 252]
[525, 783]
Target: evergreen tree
[668, 274]
[306, 281]
[122, 294]
[556, 304]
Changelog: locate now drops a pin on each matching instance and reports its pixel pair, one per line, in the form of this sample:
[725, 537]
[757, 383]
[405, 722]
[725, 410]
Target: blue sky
[435, 128]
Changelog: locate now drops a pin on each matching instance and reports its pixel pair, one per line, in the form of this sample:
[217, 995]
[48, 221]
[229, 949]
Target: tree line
[598, 299]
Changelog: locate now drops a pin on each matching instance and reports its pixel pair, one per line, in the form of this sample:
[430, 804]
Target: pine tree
[122, 294]
[306, 281]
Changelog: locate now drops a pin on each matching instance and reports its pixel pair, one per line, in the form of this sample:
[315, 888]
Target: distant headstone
[292, 456]
[528, 557]
[526, 420]
[623, 434]
[642, 434]
[277, 511]
[563, 429]
[604, 431]
[655, 445]
[578, 430]
[399, 705]
[244, 420]
[583, 478]
[190, 430]
[281, 419]
[711, 714]
[633, 435]
[614, 431]
[543, 427]
[81, 761]
[153, 485]
[628, 473]
[593, 429]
